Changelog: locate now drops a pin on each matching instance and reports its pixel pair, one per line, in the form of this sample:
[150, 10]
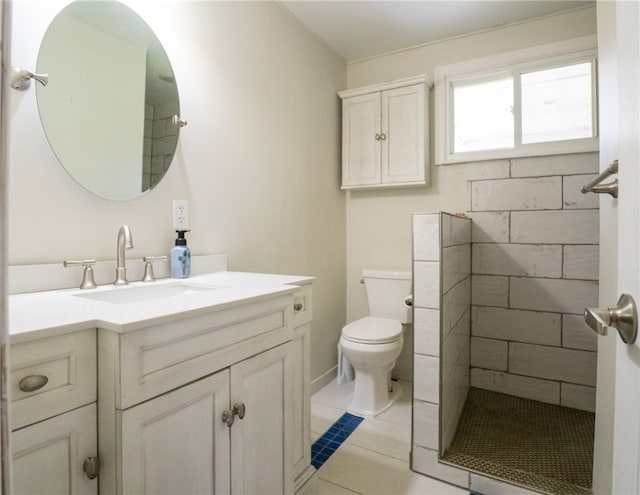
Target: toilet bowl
[372, 344]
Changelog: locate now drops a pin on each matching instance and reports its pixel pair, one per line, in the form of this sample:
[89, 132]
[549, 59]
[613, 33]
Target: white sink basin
[132, 295]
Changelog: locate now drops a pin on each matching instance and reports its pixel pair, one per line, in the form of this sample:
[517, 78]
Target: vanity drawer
[163, 357]
[302, 306]
[52, 375]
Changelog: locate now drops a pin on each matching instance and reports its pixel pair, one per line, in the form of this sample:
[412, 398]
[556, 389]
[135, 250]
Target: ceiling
[359, 29]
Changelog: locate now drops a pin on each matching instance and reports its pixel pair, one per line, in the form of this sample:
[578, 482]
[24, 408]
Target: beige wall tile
[555, 227]
[517, 259]
[544, 193]
[559, 296]
[520, 386]
[553, 363]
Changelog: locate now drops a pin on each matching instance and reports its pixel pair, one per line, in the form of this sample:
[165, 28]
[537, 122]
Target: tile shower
[499, 297]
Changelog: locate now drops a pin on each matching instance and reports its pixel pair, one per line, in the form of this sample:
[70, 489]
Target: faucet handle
[88, 282]
[148, 267]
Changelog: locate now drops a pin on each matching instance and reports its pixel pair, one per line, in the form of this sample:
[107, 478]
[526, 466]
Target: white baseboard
[324, 379]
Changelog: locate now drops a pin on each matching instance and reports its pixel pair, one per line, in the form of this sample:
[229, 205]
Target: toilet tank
[386, 291]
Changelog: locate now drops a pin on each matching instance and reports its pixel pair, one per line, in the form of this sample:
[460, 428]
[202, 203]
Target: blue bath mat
[328, 443]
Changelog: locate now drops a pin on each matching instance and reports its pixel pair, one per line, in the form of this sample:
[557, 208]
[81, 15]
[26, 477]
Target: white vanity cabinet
[261, 442]
[178, 442]
[198, 393]
[201, 404]
[385, 135]
[48, 457]
[53, 414]
[301, 356]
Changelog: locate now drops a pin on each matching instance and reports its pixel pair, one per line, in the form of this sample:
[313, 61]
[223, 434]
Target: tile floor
[375, 457]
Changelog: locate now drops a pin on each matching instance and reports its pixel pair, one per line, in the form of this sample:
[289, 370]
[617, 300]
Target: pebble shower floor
[543, 446]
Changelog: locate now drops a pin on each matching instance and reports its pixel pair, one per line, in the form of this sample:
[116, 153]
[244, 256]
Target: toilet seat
[372, 330]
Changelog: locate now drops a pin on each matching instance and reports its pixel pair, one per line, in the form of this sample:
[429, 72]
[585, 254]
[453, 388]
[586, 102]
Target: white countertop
[41, 314]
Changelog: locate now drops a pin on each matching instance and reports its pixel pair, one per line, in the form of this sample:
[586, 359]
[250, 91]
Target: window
[557, 103]
[483, 115]
[499, 109]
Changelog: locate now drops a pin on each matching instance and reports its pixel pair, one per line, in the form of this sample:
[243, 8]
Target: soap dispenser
[180, 257]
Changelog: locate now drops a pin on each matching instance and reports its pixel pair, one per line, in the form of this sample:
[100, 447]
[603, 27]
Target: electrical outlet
[180, 214]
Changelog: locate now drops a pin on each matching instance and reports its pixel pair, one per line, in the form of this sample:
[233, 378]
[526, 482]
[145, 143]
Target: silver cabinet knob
[298, 307]
[624, 317]
[239, 409]
[378, 137]
[408, 301]
[227, 417]
[91, 467]
[383, 136]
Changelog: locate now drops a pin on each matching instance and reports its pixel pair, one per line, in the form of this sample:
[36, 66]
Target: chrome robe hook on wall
[20, 79]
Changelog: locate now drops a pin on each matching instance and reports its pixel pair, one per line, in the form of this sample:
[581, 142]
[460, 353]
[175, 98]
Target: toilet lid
[372, 329]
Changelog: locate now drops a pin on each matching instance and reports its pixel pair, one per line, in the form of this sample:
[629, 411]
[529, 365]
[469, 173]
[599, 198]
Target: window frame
[514, 64]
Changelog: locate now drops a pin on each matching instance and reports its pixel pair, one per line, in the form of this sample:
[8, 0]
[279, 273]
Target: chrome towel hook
[20, 79]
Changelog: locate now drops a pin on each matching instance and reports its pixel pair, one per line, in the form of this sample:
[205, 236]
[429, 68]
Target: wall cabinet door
[47, 457]
[360, 149]
[261, 442]
[402, 124]
[384, 136]
[177, 443]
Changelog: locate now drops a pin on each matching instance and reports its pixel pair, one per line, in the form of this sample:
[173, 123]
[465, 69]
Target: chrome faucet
[125, 241]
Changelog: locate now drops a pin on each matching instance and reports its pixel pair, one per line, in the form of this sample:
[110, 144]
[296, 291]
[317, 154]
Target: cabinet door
[261, 442]
[360, 148]
[177, 443]
[300, 356]
[47, 457]
[403, 131]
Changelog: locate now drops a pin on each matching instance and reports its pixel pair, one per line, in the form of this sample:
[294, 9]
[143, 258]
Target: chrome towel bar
[610, 188]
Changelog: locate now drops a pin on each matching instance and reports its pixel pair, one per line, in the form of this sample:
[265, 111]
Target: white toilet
[373, 343]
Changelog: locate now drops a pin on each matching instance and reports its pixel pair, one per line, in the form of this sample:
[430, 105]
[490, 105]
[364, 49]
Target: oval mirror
[108, 109]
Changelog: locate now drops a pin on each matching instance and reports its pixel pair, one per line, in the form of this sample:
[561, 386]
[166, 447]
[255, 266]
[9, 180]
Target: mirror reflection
[109, 106]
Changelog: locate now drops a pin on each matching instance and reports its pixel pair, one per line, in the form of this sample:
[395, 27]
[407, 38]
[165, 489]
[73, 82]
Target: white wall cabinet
[385, 135]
